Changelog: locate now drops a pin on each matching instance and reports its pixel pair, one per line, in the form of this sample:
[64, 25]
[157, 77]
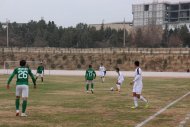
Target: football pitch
[62, 102]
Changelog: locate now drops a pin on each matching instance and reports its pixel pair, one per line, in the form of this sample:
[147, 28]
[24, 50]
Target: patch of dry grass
[62, 102]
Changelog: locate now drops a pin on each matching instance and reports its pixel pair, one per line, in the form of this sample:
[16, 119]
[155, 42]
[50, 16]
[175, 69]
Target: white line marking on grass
[162, 110]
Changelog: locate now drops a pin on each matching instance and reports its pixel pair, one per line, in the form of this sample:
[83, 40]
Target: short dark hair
[90, 66]
[137, 63]
[117, 69]
[22, 62]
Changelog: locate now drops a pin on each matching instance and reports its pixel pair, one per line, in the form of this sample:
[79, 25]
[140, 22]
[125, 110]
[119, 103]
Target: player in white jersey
[137, 86]
[102, 70]
[120, 80]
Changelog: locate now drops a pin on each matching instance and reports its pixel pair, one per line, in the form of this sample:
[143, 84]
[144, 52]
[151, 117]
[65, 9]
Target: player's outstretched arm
[94, 74]
[136, 78]
[86, 74]
[43, 70]
[33, 79]
[10, 79]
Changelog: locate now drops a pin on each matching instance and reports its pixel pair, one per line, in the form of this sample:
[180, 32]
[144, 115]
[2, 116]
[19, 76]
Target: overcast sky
[69, 12]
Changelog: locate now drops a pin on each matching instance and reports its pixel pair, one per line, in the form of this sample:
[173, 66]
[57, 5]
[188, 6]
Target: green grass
[62, 102]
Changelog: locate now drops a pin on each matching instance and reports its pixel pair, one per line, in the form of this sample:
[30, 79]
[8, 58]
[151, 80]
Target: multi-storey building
[172, 14]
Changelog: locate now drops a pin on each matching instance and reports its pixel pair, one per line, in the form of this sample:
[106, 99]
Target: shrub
[82, 60]
[49, 60]
[64, 57]
[53, 66]
[74, 57]
[46, 55]
[78, 66]
[56, 56]
[119, 61]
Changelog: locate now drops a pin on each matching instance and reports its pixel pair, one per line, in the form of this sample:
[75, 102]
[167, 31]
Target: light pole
[124, 33]
[7, 21]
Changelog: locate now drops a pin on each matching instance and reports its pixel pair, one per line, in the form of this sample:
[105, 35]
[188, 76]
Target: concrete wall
[99, 50]
[78, 59]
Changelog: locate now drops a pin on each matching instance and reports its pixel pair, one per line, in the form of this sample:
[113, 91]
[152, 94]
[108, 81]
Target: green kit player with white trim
[90, 76]
[22, 88]
[40, 72]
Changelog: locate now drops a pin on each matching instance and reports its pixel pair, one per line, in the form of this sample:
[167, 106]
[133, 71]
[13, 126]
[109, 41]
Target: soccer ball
[111, 89]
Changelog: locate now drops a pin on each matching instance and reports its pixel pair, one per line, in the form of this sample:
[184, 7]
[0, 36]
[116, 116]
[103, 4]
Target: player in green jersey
[40, 72]
[22, 88]
[90, 76]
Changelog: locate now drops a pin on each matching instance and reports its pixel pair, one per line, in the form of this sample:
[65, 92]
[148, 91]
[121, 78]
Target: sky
[69, 12]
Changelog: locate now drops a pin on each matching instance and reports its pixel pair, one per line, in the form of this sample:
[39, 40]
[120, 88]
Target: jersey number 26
[22, 74]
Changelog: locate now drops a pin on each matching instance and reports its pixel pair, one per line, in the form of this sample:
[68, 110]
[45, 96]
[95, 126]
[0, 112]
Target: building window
[146, 7]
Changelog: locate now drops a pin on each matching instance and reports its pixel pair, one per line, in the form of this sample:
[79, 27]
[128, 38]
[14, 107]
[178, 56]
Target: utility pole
[7, 21]
[124, 33]
[102, 26]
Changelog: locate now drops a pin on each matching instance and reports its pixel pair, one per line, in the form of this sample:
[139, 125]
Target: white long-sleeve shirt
[102, 69]
[120, 77]
[138, 76]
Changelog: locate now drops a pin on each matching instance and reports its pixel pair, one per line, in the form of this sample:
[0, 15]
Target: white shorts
[120, 82]
[22, 90]
[102, 74]
[137, 88]
[38, 74]
[89, 81]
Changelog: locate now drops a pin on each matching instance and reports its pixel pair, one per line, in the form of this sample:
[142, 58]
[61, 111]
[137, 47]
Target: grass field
[62, 102]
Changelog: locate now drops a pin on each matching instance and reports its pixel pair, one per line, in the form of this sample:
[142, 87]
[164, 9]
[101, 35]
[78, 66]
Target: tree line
[42, 34]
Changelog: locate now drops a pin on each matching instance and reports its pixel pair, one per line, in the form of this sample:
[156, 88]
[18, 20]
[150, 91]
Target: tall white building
[172, 14]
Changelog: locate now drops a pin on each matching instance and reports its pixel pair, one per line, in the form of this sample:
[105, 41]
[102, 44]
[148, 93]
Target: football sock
[92, 86]
[17, 103]
[24, 105]
[143, 99]
[87, 87]
[42, 79]
[135, 101]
